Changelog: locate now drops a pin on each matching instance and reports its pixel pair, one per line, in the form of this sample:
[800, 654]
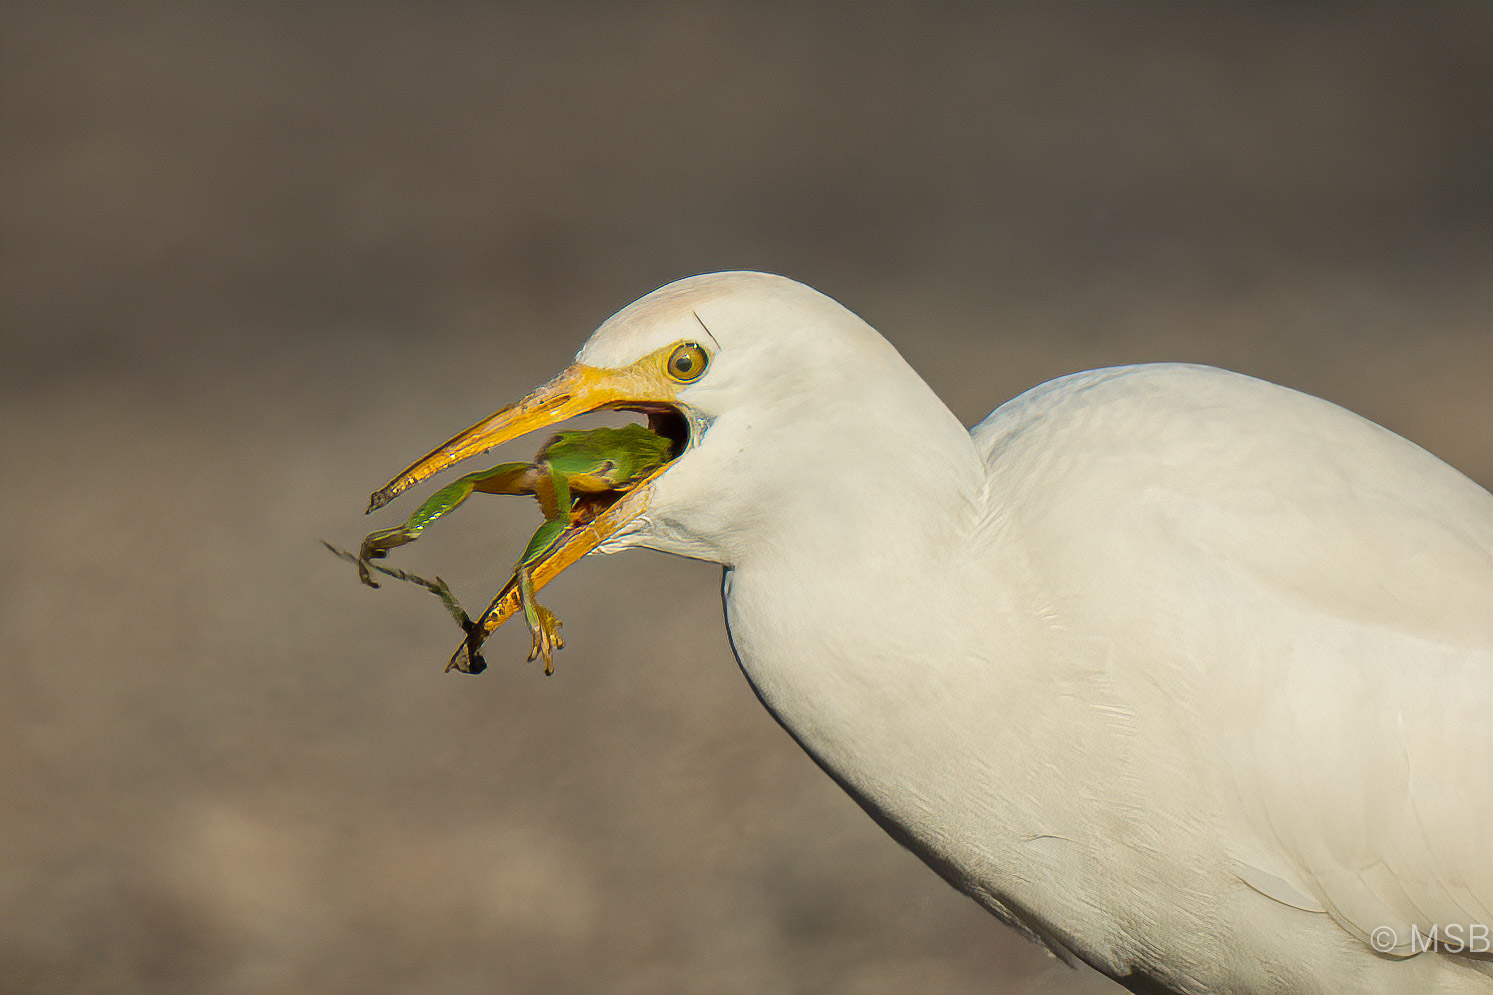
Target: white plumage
[1184, 674]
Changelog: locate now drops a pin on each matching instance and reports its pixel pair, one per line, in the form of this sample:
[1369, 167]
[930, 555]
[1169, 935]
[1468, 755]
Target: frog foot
[376, 546]
[546, 638]
[467, 659]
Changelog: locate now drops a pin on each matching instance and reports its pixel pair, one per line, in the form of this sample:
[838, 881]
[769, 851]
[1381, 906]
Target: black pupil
[684, 363]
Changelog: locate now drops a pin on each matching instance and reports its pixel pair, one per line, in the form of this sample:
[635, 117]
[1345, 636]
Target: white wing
[1307, 598]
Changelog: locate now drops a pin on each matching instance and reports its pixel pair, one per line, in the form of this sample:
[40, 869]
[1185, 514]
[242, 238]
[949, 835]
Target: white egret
[1183, 674]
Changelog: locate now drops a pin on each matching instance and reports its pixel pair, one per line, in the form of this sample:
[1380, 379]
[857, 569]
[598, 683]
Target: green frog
[570, 467]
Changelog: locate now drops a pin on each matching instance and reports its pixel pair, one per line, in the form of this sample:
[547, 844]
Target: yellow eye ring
[687, 362]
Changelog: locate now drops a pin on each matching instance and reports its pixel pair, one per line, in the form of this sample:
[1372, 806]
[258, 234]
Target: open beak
[578, 390]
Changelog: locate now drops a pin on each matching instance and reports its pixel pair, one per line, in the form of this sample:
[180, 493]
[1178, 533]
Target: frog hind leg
[544, 626]
[505, 478]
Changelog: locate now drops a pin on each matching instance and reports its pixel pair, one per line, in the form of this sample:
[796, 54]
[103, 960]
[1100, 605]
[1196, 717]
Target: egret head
[757, 379]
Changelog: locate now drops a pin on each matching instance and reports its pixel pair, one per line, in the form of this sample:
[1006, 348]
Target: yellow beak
[578, 390]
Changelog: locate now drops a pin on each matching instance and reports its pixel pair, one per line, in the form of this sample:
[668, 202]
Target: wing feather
[1315, 596]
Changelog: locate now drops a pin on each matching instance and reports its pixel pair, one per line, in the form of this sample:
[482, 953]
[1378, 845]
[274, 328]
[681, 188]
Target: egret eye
[687, 362]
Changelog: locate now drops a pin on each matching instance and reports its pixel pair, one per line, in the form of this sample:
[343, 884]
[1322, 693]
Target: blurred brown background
[257, 258]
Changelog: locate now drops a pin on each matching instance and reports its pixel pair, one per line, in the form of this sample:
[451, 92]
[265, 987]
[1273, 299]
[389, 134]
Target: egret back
[1296, 607]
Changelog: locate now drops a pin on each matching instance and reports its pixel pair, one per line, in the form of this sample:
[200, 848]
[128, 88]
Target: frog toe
[546, 638]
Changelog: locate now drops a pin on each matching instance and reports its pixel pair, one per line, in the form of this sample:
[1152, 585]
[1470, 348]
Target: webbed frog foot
[547, 637]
